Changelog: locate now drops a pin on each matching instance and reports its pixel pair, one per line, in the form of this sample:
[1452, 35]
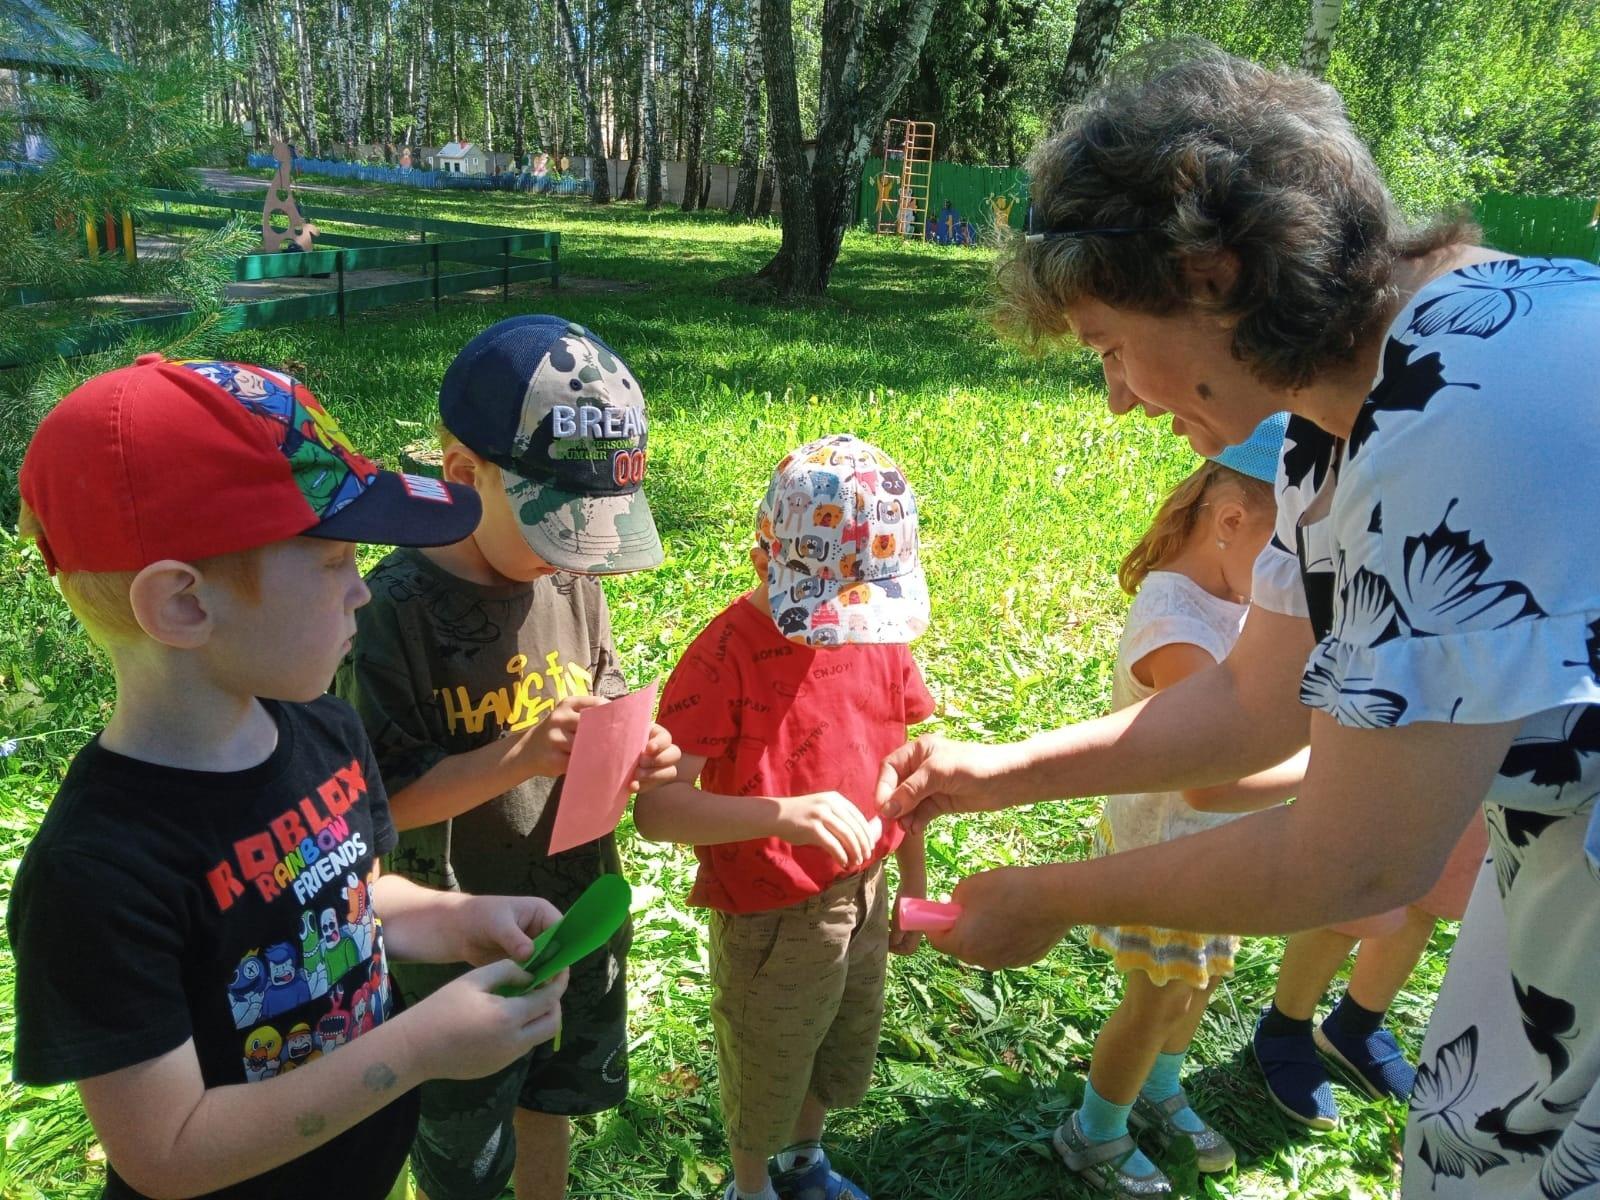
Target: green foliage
[113, 135]
[1029, 491]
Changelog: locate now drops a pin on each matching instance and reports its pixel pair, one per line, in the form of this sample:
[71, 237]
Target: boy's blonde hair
[1180, 511]
[100, 599]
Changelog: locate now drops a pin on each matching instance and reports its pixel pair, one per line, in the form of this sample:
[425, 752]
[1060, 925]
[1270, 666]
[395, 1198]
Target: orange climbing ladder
[907, 178]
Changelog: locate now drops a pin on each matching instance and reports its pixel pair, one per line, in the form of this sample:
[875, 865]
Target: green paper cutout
[587, 925]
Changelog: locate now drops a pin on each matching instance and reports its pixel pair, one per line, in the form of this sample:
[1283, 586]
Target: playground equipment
[294, 231]
[903, 195]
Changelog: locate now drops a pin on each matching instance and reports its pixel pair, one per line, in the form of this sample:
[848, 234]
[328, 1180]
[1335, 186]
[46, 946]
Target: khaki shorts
[798, 1006]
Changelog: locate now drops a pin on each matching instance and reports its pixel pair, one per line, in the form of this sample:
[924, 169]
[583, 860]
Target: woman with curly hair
[1219, 235]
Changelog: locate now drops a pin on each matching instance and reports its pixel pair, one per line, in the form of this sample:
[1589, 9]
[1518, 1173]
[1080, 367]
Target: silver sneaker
[1212, 1151]
[1099, 1164]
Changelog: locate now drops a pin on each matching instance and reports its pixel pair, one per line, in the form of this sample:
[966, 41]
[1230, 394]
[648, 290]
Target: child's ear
[759, 560]
[166, 601]
[461, 465]
[1231, 519]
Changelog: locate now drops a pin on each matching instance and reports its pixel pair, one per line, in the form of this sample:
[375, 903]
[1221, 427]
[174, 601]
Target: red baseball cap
[188, 459]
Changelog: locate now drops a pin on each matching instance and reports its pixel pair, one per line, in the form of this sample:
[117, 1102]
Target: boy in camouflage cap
[470, 667]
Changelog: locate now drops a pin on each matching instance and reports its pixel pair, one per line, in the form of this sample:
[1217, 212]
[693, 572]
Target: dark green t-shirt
[442, 666]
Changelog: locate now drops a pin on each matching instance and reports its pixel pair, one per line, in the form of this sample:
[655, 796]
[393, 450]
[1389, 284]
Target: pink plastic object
[926, 916]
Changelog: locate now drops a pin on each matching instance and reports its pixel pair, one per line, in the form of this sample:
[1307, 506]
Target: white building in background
[461, 158]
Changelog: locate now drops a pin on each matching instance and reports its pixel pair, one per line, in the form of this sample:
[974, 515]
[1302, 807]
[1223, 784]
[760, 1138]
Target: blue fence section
[567, 185]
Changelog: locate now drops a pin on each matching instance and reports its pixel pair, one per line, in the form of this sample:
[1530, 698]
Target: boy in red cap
[201, 934]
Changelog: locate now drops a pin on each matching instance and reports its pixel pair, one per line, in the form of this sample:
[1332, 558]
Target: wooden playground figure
[295, 231]
[1001, 205]
[405, 156]
[885, 197]
[906, 218]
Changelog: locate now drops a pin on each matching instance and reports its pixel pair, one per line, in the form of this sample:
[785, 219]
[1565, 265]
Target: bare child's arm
[912, 861]
[1176, 661]
[169, 1135]
[463, 781]
[680, 811]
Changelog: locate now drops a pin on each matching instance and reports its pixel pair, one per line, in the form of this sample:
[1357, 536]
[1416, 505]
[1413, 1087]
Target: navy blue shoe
[817, 1180]
[1374, 1063]
[1297, 1081]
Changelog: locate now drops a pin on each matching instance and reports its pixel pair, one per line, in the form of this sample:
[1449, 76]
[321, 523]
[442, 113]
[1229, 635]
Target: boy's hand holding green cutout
[587, 925]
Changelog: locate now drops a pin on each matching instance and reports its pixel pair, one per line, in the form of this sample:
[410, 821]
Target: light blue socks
[1163, 1084]
[1103, 1121]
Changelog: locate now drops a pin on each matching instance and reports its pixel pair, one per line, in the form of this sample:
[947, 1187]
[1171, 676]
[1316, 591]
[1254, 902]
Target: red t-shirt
[772, 717]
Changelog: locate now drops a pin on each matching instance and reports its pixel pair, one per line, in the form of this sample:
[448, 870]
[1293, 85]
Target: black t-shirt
[158, 904]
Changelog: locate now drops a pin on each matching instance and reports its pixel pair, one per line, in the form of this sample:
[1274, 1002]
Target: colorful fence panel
[970, 192]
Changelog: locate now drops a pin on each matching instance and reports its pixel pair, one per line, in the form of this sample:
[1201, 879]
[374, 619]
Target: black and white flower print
[1558, 759]
[1592, 644]
[1369, 612]
[1574, 1164]
[1348, 701]
[1441, 1088]
[1514, 830]
[1404, 383]
[1445, 589]
[1309, 452]
[1490, 295]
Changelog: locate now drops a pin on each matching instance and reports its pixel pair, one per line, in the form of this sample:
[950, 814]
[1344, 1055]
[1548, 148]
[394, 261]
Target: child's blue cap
[1258, 456]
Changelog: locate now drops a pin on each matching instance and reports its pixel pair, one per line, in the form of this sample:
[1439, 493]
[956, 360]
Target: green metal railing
[1540, 226]
[456, 256]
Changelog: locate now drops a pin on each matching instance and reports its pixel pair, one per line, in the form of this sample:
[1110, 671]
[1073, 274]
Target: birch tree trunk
[591, 115]
[388, 83]
[1094, 38]
[421, 133]
[519, 113]
[699, 59]
[1317, 47]
[819, 199]
[744, 192]
[651, 124]
[303, 67]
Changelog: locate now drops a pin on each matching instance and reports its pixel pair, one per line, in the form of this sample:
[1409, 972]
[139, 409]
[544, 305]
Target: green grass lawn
[1029, 493]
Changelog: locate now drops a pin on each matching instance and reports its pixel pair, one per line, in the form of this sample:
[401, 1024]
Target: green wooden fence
[1540, 226]
[455, 256]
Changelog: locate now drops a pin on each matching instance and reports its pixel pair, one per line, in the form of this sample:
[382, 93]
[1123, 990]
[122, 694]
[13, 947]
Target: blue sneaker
[817, 1180]
[1375, 1063]
[1297, 1081]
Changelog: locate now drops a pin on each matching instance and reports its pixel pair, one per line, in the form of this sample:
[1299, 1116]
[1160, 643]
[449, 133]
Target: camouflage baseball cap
[558, 411]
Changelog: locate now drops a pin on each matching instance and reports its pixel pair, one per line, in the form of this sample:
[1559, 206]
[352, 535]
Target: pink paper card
[926, 916]
[605, 749]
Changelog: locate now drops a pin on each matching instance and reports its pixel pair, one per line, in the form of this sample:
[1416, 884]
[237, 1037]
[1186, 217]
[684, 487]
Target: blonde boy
[201, 933]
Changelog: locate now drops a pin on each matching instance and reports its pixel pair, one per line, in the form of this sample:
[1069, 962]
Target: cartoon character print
[378, 985]
[891, 511]
[246, 989]
[859, 593]
[313, 962]
[894, 483]
[885, 546]
[286, 987]
[812, 547]
[827, 515]
[333, 1028]
[261, 1048]
[358, 916]
[337, 949]
[360, 1011]
[807, 588]
[824, 488]
[850, 566]
[327, 468]
[298, 1048]
[793, 621]
[824, 615]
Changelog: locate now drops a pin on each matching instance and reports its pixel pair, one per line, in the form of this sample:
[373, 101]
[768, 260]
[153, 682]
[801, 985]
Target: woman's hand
[935, 775]
[1010, 917]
